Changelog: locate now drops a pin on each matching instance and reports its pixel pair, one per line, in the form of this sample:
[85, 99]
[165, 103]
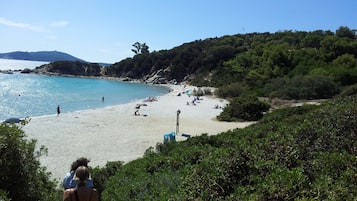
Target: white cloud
[10, 23]
[59, 23]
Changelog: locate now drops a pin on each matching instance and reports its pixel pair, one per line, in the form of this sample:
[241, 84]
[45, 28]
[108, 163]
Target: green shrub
[232, 90]
[202, 91]
[143, 179]
[345, 76]
[216, 176]
[349, 91]
[101, 175]
[244, 108]
[21, 175]
[302, 87]
[3, 195]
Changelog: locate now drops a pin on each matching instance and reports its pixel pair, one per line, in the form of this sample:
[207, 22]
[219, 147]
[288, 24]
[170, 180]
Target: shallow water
[23, 95]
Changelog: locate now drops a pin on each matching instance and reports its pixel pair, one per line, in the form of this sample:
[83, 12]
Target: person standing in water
[58, 110]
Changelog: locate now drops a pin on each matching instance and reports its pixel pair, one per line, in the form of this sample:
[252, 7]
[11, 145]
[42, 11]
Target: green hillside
[257, 62]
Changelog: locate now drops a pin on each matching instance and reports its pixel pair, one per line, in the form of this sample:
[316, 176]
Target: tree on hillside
[253, 59]
[140, 48]
[345, 32]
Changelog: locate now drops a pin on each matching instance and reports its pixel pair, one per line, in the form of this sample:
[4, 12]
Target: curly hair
[79, 162]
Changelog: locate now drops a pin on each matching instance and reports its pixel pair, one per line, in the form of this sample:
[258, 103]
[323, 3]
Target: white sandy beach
[115, 134]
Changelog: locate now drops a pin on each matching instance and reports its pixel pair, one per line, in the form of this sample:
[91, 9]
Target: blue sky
[104, 31]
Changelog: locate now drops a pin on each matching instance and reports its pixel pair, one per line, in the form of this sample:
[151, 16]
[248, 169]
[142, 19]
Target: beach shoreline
[114, 133]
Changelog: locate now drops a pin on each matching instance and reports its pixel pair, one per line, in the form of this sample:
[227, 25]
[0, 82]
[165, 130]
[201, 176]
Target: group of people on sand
[150, 99]
[77, 183]
[138, 106]
[195, 100]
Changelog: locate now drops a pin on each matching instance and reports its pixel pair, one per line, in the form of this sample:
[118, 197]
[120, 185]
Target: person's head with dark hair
[79, 162]
[81, 175]
[81, 191]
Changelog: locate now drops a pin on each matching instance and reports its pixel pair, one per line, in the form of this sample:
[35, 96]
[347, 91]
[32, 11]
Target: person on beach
[58, 110]
[136, 113]
[68, 180]
[81, 192]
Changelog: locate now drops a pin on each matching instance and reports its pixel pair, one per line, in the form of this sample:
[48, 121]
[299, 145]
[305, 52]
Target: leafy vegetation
[301, 153]
[244, 108]
[75, 68]
[350, 90]
[21, 176]
[140, 48]
[301, 87]
[100, 175]
[202, 91]
[257, 62]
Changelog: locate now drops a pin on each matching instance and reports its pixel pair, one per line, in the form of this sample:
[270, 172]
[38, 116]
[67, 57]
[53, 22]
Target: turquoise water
[23, 95]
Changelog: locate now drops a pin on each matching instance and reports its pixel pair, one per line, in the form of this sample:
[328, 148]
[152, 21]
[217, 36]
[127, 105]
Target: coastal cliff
[75, 68]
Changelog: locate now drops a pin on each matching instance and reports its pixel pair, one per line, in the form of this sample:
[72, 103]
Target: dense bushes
[301, 153]
[100, 175]
[21, 176]
[257, 59]
[232, 90]
[244, 108]
[349, 91]
[202, 91]
[302, 87]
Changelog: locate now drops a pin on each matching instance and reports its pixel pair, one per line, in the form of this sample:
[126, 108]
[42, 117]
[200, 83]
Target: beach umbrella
[188, 92]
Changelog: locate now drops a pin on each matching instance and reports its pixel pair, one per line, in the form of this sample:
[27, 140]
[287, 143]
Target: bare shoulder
[95, 191]
[67, 194]
[95, 196]
[68, 191]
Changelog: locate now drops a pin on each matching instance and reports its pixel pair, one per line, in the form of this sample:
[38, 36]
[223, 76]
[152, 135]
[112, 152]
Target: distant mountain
[49, 56]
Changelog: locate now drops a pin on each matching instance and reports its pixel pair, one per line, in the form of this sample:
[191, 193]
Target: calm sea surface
[23, 95]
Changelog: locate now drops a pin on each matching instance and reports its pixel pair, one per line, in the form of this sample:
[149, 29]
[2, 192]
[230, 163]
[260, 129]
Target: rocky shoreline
[94, 70]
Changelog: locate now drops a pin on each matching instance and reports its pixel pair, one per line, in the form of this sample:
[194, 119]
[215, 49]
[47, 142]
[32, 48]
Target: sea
[31, 95]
